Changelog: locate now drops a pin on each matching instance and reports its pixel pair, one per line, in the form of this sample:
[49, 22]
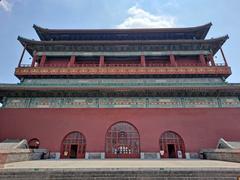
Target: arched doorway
[171, 145]
[73, 145]
[122, 141]
[34, 143]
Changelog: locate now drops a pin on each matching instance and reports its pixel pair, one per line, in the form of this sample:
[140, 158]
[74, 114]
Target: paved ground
[95, 164]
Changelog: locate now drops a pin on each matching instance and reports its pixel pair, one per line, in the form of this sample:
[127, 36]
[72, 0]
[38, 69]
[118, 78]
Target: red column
[34, 59]
[43, 60]
[101, 61]
[72, 61]
[224, 58]
[143, 61]
[210, 57]
[202, 60]
[173, 60]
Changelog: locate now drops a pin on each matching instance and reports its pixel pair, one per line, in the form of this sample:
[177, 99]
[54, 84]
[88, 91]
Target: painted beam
[145, 53]
[122, 102]
[48, 71]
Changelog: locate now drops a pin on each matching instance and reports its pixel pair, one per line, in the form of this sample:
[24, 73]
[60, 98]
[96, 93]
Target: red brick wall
[199, 128]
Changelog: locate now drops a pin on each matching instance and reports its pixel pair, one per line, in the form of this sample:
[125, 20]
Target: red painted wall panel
[116, 61]
[57, 61]
[199, 128]
[188, 61]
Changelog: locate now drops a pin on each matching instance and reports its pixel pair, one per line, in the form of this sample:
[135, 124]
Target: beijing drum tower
[121, 93]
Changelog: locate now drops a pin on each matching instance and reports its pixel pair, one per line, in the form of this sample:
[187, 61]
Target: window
[122, 141]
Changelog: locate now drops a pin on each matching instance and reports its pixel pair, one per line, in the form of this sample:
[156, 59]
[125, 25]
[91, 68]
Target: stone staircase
[103, 174]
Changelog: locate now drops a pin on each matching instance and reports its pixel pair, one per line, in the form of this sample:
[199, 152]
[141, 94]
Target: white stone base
[95, 155]
[150, 155]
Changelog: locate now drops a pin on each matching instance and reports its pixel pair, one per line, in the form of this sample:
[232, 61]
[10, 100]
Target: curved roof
[198, 32]
[213, 44]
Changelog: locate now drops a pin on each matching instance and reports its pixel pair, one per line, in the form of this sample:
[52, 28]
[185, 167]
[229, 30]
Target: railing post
[173, 60]
[72, 61]
[143, 60]
[210, 57]
[43, 60]
[101, 61]
[34, 59]
[224, 58]
[21, 58]
[202, 59]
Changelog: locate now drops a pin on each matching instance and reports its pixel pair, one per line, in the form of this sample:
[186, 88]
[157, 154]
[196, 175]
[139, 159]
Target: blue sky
[18, 16]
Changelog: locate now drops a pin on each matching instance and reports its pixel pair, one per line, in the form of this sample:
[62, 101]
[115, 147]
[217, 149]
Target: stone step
[119, 174]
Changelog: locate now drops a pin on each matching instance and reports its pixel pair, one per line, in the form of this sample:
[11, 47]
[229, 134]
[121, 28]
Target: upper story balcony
[172, 65]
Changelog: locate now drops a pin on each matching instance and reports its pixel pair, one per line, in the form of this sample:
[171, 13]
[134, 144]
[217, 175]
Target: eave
[45, 34]
[213, 45]
[17, 90]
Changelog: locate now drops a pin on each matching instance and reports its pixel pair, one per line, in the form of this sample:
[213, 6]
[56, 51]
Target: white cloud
[139, 18]
[6, 5]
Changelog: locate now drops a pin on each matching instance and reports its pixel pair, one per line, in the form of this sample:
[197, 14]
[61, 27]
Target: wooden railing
[125, 65]
[220, 64]
[25, 65]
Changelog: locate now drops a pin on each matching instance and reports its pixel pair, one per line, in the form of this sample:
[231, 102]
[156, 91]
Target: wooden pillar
[210, 57]
[72, 61]
[224, 58]
[35, 56]
[173, 60]
[21, 58]
[101, 61]
[43, 60]
[202, 60]
[143, 61]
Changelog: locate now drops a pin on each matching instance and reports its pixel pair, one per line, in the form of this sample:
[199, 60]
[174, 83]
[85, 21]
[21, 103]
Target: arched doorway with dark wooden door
[73, 145]
[171, 145]
[122, 141]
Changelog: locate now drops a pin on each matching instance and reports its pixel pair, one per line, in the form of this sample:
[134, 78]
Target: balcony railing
[25, 65]
[220, 64]
[124, 65]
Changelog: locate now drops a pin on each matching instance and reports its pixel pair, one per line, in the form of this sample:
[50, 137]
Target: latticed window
[122, 141]
[171, 144]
